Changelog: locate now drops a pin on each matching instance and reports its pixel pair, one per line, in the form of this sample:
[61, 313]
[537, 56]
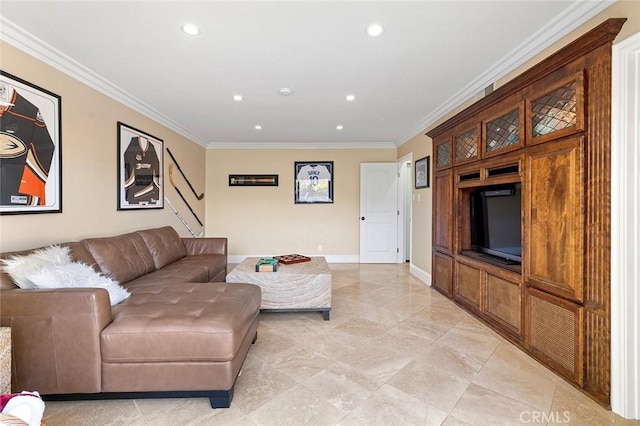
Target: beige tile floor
[395, 352]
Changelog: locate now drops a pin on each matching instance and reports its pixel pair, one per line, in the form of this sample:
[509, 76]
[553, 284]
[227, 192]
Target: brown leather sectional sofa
[182, 332]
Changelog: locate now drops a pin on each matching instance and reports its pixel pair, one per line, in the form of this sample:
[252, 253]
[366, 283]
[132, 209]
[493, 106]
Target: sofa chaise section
[179, 333]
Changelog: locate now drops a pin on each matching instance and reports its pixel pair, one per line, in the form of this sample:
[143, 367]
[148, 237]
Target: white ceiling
[432, 56]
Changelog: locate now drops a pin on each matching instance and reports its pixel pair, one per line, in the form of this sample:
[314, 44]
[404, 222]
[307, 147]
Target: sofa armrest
[56, 338]
[198, 246]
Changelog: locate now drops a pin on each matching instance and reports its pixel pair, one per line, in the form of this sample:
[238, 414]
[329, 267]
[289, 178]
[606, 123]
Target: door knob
[362, 218]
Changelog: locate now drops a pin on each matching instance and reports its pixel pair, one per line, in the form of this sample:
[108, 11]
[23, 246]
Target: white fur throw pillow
[20, 268]
[78, 274]
[52, 267]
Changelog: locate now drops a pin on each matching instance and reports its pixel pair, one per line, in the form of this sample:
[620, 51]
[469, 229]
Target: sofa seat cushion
[191, 269]
[213, 263]
[173, 273]
[181, 322]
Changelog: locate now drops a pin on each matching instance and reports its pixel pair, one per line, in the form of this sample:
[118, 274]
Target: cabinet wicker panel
[443, 273]
[554, 332]
[503, 301]
[467, 284]
[5, 360]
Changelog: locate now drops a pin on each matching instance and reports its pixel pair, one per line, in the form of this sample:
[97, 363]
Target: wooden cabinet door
[554, 219]
[468, 284]
[554, 333]
[443, 273]
[503, 300]
[443, 212]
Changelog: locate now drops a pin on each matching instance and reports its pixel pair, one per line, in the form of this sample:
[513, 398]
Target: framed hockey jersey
[140, 166]
[313, 182]
[30, 148]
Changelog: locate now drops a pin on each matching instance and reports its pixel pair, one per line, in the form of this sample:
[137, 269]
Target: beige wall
[89, 187]
[420, 146]
[265, 220]
[89, 165]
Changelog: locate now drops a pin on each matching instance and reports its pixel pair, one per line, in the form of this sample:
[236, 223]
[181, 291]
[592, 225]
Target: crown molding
[572, 18]
[27, 42]
[304, 145]
[569, 20]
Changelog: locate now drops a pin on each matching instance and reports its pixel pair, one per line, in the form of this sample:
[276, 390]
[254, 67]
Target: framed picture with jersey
[313, 182]
[30, 148]
[140, 169]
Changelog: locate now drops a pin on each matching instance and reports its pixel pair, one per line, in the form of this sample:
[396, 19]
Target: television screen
[496, 225]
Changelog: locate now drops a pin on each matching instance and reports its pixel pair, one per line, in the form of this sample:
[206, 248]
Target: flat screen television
[496, 225]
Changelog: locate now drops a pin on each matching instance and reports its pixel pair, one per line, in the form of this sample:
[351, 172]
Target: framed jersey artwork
[313, 182]
[140, 170]
[30, 148]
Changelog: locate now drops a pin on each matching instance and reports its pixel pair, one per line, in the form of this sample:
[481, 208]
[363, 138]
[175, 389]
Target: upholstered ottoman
[180, 337]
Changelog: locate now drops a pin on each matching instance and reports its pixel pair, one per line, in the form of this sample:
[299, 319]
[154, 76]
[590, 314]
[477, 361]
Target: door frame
[625, 228]
[405, 207]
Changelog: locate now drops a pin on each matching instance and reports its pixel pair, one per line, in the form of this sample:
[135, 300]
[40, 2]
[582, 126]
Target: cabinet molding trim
[599, 36]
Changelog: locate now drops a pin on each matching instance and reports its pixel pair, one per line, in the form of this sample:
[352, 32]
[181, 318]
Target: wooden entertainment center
[547, 130]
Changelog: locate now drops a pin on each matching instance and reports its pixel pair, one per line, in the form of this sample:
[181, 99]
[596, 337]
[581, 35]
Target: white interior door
[378, 213]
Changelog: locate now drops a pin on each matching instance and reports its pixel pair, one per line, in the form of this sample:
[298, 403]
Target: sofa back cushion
[6, 282]
[80, 253]
[164, 244]
[123, 257]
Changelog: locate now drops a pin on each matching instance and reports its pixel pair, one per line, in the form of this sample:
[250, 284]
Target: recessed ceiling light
[351, 97]
[191, 29]
[258, 127]
[285, 91]
[237, 97]
[374, 30]
[339, 127]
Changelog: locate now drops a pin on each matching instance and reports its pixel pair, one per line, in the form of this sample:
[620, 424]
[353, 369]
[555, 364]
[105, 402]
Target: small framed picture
[140, 166]
[253, 180]
[423, 171]
[30, 148]
[313, 182]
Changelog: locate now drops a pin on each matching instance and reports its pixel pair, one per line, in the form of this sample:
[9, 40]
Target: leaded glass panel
[503, 131]
[443, 154]
[554, 111]
[467, 145]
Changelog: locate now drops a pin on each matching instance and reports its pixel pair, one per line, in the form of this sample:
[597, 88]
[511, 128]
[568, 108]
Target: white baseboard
[422, 275]
[339, 258]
